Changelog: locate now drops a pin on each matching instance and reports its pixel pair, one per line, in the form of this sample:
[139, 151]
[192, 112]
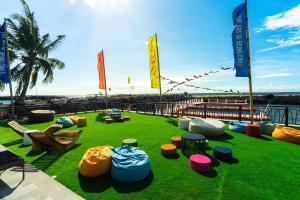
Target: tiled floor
[36, 186]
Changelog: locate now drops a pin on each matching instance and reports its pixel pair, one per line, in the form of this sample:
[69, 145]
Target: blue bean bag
[65, 121]
[238, 126]
[129, 164]
[266, 128]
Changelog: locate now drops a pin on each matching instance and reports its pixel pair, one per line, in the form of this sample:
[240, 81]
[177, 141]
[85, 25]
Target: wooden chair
[49, 142]
[19, 129]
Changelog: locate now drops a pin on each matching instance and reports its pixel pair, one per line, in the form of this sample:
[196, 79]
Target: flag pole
[106, 100]
[160, 97]
[9, 74]
[249, 66]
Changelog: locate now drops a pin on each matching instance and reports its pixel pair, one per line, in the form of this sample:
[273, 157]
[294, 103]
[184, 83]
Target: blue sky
[194, 37]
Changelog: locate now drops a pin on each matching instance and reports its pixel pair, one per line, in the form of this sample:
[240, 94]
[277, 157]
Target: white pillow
[32, 131]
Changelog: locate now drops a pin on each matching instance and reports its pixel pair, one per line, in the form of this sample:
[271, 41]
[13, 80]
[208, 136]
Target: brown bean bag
[95, 162]
[74, 119]
[287, 134]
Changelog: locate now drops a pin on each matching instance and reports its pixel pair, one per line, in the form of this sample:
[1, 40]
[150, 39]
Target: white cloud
[288, 20]
[72, 2]
[275, 75]
[91, 3]
[107, 4]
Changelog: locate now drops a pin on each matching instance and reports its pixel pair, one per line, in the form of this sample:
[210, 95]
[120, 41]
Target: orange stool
[176, 140]
[168, 150]
[253, 130]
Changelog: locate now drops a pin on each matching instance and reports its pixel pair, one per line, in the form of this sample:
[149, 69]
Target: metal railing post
[240, 113]
[286, 116]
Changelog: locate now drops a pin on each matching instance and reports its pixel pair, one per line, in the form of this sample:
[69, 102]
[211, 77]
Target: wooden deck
[36, 186]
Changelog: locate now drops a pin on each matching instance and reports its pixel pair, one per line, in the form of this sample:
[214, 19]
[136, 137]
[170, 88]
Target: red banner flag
[101, 71]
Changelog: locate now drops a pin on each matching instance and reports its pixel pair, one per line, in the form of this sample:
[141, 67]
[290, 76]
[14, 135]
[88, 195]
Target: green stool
[105, 117]
[130, 141]
[126, 118]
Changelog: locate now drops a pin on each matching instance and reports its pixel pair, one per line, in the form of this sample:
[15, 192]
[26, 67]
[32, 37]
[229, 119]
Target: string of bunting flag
[194, 77]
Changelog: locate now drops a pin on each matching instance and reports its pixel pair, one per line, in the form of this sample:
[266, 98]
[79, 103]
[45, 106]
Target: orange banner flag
[101, 71]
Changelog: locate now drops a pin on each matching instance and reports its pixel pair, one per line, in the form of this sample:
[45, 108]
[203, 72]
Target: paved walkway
[36, 186]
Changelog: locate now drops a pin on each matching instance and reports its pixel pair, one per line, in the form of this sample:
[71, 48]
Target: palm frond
[56, 43]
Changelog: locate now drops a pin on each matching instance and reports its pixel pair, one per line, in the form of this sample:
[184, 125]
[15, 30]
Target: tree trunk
[21, 99]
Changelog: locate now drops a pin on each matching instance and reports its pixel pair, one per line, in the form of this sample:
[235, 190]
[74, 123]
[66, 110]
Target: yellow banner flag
[153, 62]
[129, 80]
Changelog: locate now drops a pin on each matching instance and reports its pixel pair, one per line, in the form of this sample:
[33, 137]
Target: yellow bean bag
[74, 119]
[287, 134]
[95, 162]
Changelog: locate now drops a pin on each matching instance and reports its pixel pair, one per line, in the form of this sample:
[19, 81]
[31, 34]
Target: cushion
[183, 123]
[287, 134]
[96, 161]
[26, 138]
[116, 110]
[129, 164]
[65, 121]
[266, 128]
[238, 126]
[74, 119]
[207, 127]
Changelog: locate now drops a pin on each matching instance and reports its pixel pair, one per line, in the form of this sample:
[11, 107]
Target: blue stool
[222, 153]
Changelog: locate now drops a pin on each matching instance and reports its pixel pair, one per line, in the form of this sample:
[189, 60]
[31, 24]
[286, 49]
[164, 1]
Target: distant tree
[31, 50]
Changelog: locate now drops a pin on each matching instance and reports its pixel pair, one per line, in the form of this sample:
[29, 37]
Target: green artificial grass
[262, 169]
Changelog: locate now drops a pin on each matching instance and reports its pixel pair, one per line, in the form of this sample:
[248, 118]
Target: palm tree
[31, 50]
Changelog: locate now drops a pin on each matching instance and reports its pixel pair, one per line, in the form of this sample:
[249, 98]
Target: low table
[192, 143]
[115, 116]
[37, 116]
[8, 160]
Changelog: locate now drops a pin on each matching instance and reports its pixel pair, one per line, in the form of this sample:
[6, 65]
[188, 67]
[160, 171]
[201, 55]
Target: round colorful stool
[222, 153]
[105, 117]
[168, 150]
[130, 141]
[82, 121]
[126, 118]
[253, 130]
[121, 119]
[199, 162]
[108, 121]
[176, 140]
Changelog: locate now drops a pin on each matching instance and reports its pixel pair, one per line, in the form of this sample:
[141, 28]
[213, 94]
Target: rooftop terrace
[263, 168]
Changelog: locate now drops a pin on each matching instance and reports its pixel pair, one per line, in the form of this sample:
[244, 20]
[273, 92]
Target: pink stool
[200, 162]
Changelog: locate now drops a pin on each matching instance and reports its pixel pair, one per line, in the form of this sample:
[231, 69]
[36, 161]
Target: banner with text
[4, 77]
[239, 41]
[153, 62]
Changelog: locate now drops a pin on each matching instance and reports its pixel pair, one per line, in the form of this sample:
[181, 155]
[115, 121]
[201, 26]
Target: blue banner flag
[4, 77]
[239, 41]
